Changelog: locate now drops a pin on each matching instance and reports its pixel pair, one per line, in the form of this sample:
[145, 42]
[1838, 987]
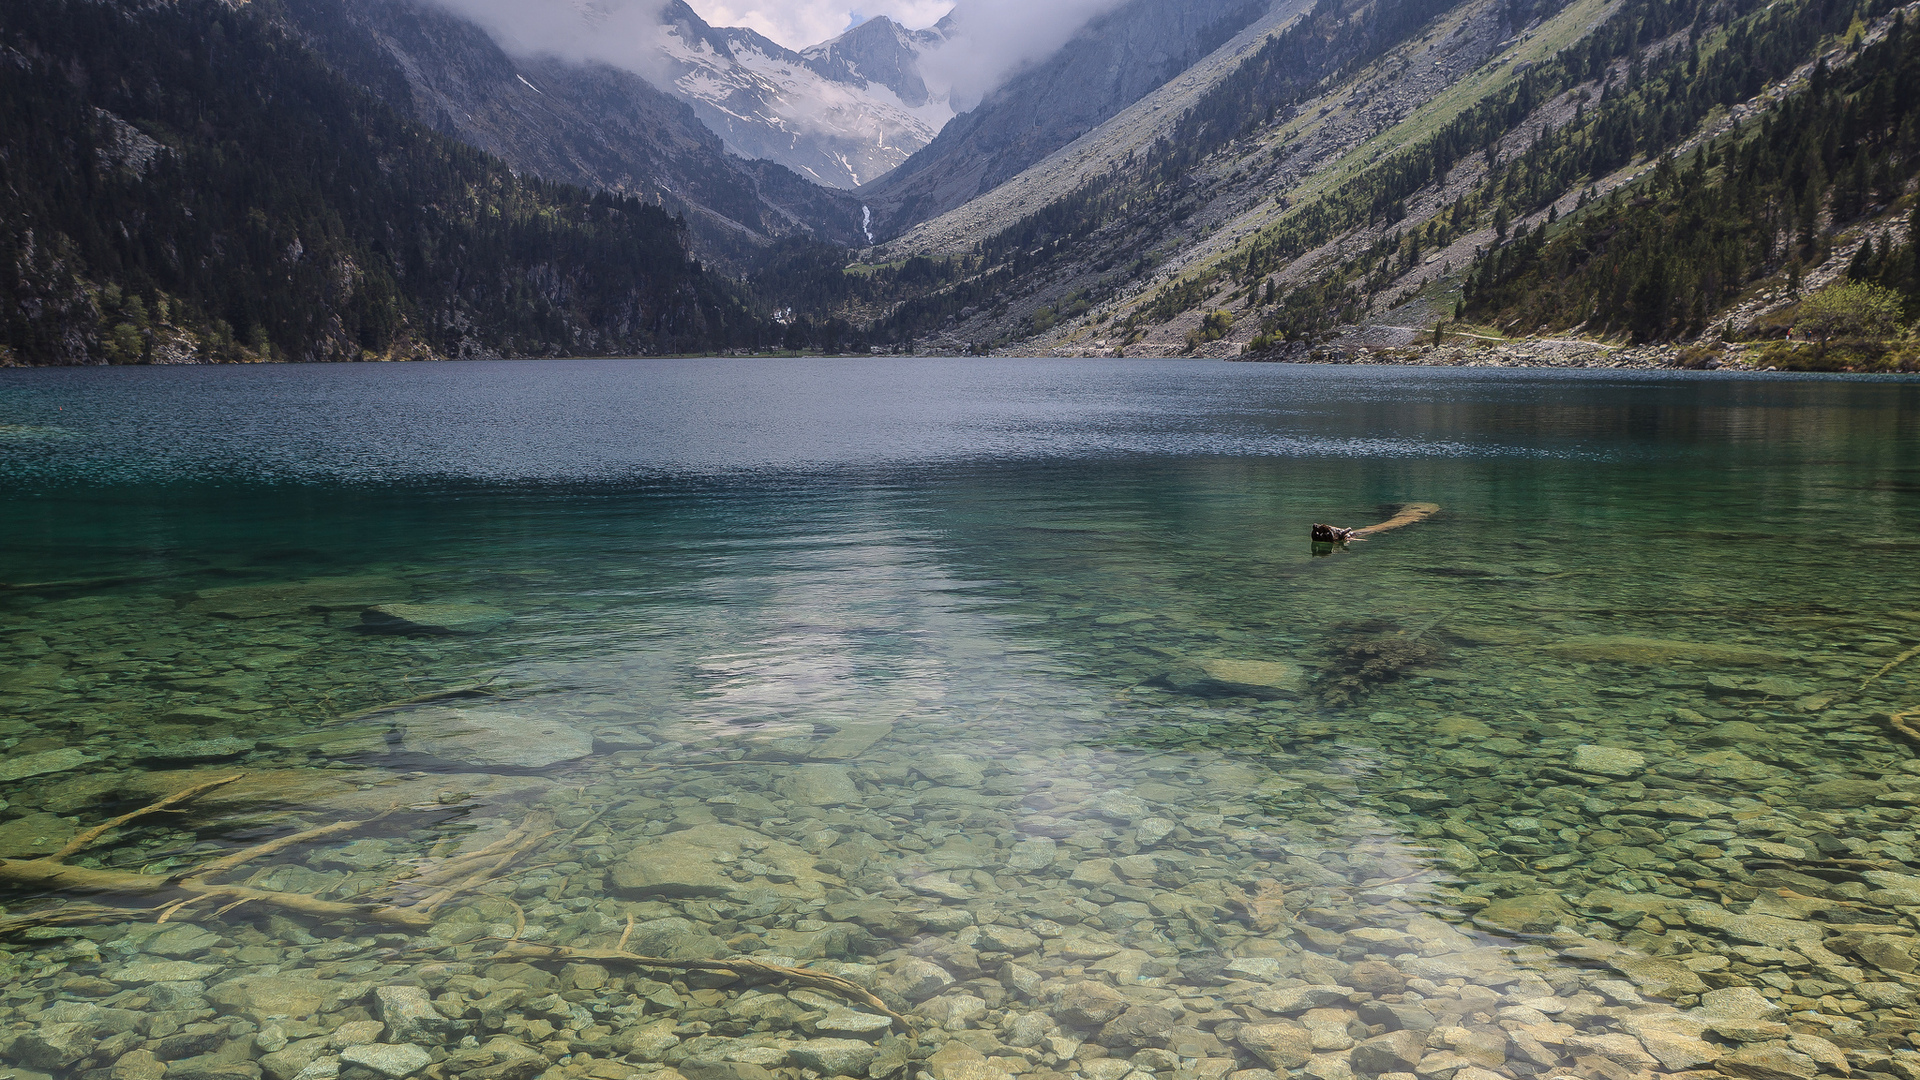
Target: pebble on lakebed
[1582, 893]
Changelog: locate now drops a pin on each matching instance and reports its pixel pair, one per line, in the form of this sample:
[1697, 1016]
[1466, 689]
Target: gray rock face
[1114, 62]
[821, 113]
[491, 737]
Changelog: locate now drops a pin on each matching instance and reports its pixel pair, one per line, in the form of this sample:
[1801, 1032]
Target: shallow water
[1011, 690]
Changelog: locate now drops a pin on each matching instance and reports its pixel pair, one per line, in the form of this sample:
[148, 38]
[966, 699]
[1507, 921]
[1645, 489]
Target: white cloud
[623, 33]
[800, 23]
[993, 40]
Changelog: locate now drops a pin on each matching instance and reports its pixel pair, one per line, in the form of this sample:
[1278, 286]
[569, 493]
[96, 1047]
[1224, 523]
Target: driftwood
[1891, 664]
[818, 980]
[1410, 514]
[175, 892]
[170, 895]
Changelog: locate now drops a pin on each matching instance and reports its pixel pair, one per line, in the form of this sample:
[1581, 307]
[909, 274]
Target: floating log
[1410, 514]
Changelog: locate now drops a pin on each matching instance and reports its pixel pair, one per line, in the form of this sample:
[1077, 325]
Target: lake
[1012, 693]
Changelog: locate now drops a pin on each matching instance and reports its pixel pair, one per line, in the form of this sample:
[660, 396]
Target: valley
[1276, 179]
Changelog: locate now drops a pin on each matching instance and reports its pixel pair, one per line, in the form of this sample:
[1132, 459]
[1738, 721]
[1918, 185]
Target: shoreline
[1571, 353]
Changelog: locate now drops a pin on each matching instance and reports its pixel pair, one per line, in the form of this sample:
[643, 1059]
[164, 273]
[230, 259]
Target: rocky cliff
[1111, 63]
[840, 114]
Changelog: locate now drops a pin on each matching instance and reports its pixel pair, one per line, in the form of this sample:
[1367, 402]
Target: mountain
[881, 51]
[182, 182]
[840, 114]
[1358, 175]
[588, 124]
[1114, 61]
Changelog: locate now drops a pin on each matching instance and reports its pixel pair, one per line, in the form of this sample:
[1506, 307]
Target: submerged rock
[720, 861]
[432, 618]
[293, 597]
[490, 737]
[43, 763]
[1627, 649]
[392, 1061]
[1258, 675]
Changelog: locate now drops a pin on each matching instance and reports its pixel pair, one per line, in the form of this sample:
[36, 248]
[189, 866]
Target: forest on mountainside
[180, 182]
[1666, 258]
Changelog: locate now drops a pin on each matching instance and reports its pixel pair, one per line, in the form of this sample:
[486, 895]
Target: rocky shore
[1515, 354]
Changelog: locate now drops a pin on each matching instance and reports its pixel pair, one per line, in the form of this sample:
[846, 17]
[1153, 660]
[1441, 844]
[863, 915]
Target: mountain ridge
[588, 124]
[183, 182]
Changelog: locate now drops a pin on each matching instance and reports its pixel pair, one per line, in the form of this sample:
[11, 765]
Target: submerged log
[1410, 514]
[52, 874]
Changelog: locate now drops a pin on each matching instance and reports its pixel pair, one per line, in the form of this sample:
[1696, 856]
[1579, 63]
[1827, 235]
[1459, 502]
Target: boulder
[1537, 913]
[1737, 1003]
[1394, 1052]
[833, 1057]
[42, 763]
[1659, 977]
[293, 597]
[1768, 1061]
[820, 785]
[1256, 677]
[1088, 1004]
[1660, 652]
[1282, 1044]
[1033, 854]
[432, 619]
[699, 862]
[1608, 761]
[266, 997]
[490, 737]
[1139, 1027]
[1294, 999]
[916, 980]
[34, 835]
[53, 1047]
[393, 1061]
[409, 1015]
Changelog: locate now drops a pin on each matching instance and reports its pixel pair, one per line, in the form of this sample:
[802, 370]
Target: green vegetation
[180, 181]
[1852, 309]
[1664, 259]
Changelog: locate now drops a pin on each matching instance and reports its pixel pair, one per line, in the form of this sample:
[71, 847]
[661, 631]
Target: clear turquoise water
[994, 597]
